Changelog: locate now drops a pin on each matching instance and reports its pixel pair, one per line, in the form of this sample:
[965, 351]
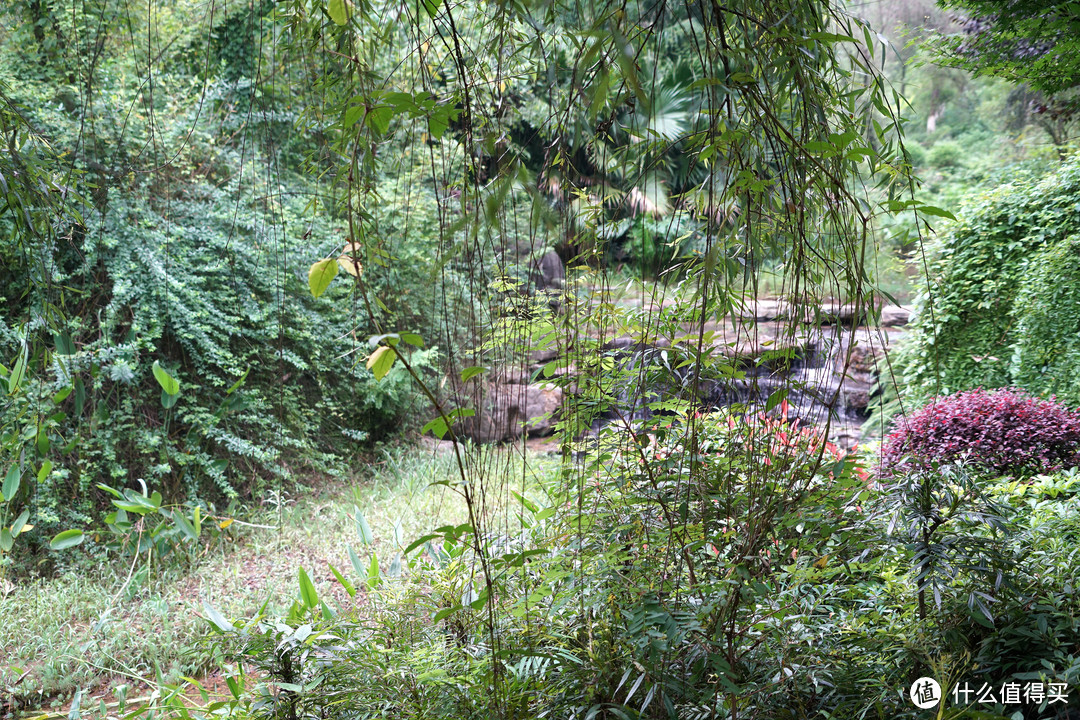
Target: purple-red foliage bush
[1007, 432]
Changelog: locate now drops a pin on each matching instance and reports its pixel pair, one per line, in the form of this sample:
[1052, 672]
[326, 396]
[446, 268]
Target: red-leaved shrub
[1007, 432]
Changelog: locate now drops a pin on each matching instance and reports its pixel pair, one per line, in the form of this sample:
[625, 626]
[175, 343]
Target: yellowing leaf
[320, 275]
[338, 10]
[349, 260]
[381, 360]
[225, 523]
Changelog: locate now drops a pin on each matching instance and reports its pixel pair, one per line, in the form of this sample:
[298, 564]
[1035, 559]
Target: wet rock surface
[823, 358]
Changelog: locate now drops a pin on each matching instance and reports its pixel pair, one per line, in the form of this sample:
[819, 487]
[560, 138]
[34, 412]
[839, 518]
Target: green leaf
[356, 564]
[338, 10]
[362, 527]
[62, 395]
[378, 118]
[64, 344]
[381, 360]
[439, 121]
[44, 470]
[16, 375]
[185, 526]
[307, 589]
[6, 540]
[437, 426]
[236, 385]
[413, 339]
[20, 522]
[445, 613]
[112, 491]
[935, 211]
[167, 382]
[776, 398]
[417, 543]
[67, 539]
[471, 372]
[432, 7]
[217, 619]
[349, 588]
[11, 483]
[373, 572]
[321, 274]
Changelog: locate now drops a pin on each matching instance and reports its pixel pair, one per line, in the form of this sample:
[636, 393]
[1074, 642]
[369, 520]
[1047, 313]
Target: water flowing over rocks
[824, 355]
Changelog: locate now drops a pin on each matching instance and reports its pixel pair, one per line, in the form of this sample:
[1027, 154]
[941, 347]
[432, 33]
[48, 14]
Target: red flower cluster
[1007, 432]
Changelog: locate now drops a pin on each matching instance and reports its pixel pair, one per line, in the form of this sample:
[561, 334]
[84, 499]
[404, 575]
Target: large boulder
[548, 272]
[509, 407]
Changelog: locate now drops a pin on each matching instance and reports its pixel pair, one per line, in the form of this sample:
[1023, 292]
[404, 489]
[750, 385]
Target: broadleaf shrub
[1006, 431]
[998, 309]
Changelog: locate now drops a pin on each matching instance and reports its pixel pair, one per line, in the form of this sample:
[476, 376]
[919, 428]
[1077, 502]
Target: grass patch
[91, 629]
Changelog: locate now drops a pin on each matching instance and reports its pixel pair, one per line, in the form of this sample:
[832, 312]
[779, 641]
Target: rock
[542, 407]
[764, 310]
[895, 315]
[509, 410]
[548, 272]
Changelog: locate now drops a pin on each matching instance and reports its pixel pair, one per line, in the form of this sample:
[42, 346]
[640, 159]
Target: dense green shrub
[197, 259]
[1000, 308]
[1046, 351]
[945, 154]
[689, 576]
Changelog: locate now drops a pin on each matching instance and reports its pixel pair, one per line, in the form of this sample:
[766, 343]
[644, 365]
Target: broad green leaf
[432, 7]
[349, 587]
[11, 483]
[529, 504]
[373, 572]
[321, 274]
[44, 470]
[378, 118]
[445, 613]
[437, 426]
[776, 398]
[358, 567]
[338, 10]
[167, 382]
[471, 372]
[381, 360]
[16, 375]
[185, 526]
[168, 401]
[362, 527]
[935, 211]
[62, 395]
[20, 523]
[439, 121]
[236, 385]
[112, 491]
[413, 339]
[64, 344]
[6, 540]
[217, 619]
[417, 543]
[67, 539]
[307, 589]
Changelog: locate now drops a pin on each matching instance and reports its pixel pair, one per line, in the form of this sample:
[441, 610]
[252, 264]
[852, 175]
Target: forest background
[251, 253]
